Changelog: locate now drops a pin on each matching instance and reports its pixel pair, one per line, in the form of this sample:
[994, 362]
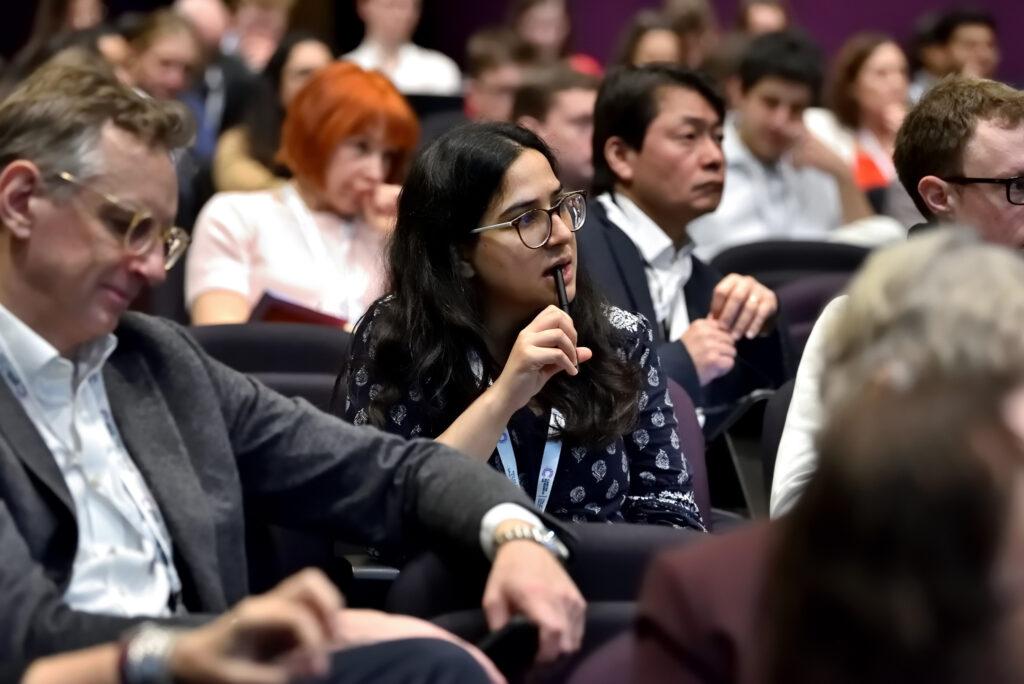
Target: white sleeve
[797, 458]
[220, 255]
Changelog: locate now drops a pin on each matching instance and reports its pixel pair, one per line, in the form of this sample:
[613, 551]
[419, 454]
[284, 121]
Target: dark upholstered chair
[779, 261]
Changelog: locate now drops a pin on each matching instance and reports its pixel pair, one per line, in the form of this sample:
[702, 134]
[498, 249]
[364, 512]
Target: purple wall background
[598, 22]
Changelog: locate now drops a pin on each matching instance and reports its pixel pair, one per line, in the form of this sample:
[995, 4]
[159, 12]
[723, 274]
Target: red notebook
[273, 308]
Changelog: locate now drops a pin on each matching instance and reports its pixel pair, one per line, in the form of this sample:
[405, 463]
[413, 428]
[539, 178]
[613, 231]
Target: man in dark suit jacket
[126, 452]
[658, 165]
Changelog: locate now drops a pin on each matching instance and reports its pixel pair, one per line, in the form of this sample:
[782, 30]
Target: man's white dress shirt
[417, 70]
[667, 269]
[124, 562]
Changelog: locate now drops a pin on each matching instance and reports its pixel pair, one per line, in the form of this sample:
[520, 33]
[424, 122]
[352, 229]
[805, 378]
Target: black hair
[954, 19]
[789, 55]
[265, 113]
[627, 103]
[425, 333]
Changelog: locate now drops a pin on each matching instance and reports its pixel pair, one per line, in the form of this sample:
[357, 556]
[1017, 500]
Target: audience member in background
[961, 128]
[496, 62]
[471, 349]
[868, 95]
[650, 37]
[971, 41]
[756, 17]
[388, 48]
[256, 29]
[546, 27]
[695, 23]
[925, 423]
[288, 633]
[784, 183]
[657, 166]
[165, 55]
[52, 19]
[224, 85]
[246, 156]
[558, 105]
[317, 240]
[127, 455]
[929, 58]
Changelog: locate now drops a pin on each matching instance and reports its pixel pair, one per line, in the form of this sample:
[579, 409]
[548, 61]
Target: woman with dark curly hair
[470, 348]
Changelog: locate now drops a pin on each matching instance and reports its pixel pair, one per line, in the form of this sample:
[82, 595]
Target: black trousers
[407, 661]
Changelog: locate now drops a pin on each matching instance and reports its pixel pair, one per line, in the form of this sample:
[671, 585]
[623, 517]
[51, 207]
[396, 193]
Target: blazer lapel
[155, 445]
[629, 264]
[25, 441]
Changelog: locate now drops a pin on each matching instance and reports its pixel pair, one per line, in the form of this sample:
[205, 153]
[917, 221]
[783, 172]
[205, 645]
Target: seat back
[771, 432]
[691, 438]
[802, 300]
[775, 262]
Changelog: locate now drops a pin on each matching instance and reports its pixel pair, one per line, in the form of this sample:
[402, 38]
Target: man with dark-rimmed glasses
[960, 155]
[126, 452]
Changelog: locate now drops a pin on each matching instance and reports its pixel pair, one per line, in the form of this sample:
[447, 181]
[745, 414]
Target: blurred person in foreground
[924, 423]
[128, 452]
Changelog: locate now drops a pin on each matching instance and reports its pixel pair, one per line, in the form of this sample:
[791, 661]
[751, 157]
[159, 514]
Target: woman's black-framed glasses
[137, 230]
[534, 226]
[1014, 186]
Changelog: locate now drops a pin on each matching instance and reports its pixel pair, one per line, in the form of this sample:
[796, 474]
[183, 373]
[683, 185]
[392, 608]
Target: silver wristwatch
[539, 535]
[145, 654]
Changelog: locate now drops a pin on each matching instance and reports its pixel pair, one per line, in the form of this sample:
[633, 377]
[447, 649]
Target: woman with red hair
[317, 240]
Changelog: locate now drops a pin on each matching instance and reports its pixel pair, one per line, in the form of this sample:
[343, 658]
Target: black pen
[563, 304]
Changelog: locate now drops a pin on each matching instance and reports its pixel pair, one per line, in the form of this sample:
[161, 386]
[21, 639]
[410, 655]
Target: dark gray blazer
[203, 435]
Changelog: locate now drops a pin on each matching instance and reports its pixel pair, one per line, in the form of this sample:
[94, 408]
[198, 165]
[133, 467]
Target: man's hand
[711, 347]
[810, 151]
[526, 579]
[268, 639]
[365, 627]
[742, 305]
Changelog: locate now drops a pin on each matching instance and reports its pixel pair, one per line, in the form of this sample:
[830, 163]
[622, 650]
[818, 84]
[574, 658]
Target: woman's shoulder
[627, 323]
[250, 206]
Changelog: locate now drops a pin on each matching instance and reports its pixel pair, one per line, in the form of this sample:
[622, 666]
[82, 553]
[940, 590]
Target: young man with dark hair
[658, 165]
[971, 42]
[783, 182]
[557, 104]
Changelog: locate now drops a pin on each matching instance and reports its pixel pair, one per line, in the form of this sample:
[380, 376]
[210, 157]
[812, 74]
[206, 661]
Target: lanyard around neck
[548, 464]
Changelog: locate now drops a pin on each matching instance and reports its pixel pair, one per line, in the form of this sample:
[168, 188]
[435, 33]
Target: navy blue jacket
[615, 265]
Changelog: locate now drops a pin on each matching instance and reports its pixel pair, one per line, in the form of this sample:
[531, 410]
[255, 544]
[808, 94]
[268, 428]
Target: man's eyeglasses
[137, 230]
[1014, 186]
[534, 226]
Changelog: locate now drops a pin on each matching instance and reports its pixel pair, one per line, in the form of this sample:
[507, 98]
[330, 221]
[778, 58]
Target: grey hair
[941, 303]
[56, 116]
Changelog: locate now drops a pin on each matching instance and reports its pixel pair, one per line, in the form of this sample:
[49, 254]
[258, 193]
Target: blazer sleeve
[305, 468]
[678, 365]
[36, 620]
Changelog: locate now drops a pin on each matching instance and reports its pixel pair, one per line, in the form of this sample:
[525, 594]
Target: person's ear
[621, 158]
[733, 91]
[462, 264]
[19, 182]
[939, 196]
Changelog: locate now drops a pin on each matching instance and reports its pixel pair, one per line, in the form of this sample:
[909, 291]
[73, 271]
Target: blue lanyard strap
[548, 464]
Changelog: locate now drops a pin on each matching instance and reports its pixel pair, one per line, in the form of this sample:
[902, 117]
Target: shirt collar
[655, 246]
[31, 354]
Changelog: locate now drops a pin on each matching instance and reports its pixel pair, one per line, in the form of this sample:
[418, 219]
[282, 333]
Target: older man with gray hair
[125, 451]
